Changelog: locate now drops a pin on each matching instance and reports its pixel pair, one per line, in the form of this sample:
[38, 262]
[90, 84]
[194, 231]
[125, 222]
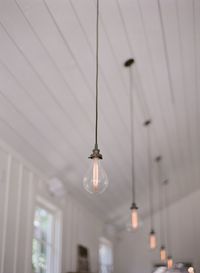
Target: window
[46, 239]
[105, 256]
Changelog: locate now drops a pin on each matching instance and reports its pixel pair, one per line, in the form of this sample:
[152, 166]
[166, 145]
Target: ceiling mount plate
[158, 158]
[147, 122]
[129, 62]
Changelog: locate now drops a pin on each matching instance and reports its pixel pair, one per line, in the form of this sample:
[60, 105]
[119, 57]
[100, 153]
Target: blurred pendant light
[163, 253]
[134, 208]
[152, 239]
[169, 262]
[152, 234]
[169, 258]
[96, 180]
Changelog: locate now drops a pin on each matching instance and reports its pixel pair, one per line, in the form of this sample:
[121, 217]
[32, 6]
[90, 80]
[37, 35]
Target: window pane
[43, 225]
[42, 241]
[105, 256]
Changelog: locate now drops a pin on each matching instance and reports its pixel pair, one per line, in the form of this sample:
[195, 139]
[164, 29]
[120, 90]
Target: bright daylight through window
[45, 247]
[105, 256]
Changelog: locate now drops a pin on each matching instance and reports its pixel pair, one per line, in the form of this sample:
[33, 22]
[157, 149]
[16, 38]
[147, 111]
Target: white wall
[20, 183]
[132, 252]
[80, 227]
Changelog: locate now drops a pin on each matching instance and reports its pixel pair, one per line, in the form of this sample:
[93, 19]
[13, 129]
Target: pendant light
[163, 253]
[169, 258]
[152, 234]
[169, 262]
[96, 180]
[134, 208]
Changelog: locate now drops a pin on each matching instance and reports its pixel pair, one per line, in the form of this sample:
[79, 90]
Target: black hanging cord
[162, 232]
[132, 136]
[166, 183]
[149, 156]
[97, 74]
[129, 64]
[166, 51]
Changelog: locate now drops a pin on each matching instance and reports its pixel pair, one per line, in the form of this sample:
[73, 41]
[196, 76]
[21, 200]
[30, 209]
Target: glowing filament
[169, 263]
[152, 240]
[163, 254]
[134, 216]
[95, 177]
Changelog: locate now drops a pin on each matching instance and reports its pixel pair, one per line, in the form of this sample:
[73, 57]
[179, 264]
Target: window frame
[56, 233]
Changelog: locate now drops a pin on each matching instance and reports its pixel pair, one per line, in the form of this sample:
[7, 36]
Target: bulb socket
[96, 154]
[152, 232]
[134, 206]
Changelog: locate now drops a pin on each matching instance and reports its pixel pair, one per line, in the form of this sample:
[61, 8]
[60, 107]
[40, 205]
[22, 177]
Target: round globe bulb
[95, 180]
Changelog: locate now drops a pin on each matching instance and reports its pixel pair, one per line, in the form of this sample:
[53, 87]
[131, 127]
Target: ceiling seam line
[169, 78]
[51, 58]
[32, 99]
[155, 80]
[31, 124]
[196, 77]
[188, 133]
[32, 67]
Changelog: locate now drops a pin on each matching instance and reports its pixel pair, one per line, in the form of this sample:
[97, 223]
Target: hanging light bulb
[163, 254]
[134, 216]
[152, 239]
[134, 208]
[169, 262]
[96, 180]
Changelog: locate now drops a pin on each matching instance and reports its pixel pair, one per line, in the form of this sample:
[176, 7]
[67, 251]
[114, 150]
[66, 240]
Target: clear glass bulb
[134, 218]
[96, 180]
[163, 254]
[152, 240]
[169, 262]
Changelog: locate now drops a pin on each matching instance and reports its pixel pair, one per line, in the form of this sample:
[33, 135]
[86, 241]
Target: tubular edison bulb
[163, 254]
[96, 180]
[169, 262]
[152, 240]
[134, 216]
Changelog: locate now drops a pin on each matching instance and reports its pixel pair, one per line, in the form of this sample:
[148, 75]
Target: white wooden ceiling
[47, 88]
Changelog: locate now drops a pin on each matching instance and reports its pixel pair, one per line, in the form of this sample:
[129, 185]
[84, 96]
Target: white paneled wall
[19, 186]
[81, 227]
